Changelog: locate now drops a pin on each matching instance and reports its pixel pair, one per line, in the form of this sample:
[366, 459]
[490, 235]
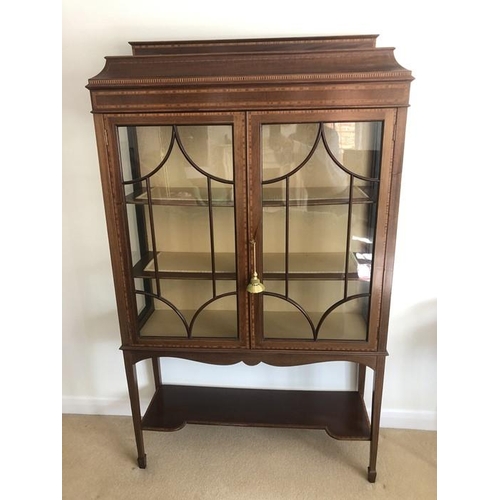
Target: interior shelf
[342, 414]
[310, 265]
[310, 196]
[272, 196]
[278, 325]
[189, 196]
[292, 325]
[209, 324]
[197, 265]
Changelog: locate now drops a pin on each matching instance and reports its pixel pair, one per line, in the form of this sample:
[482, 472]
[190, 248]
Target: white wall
[93, 374]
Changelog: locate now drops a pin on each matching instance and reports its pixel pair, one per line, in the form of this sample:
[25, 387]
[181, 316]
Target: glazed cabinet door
[180, 191]
[319, 189]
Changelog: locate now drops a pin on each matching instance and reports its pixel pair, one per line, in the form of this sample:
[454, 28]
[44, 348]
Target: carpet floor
[202, 462]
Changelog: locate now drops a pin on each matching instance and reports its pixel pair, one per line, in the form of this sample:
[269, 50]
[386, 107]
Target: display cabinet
[251, 191]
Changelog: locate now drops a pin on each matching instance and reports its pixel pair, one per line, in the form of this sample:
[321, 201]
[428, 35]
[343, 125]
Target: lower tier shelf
[342, 414]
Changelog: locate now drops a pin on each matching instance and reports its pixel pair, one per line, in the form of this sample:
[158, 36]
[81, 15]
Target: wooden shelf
[342, 414]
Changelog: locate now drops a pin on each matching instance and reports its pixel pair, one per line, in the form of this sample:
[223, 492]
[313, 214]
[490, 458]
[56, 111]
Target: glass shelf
[189, 196]
[272, 196]
[186, 264]
[275, 196]
[321, 265]
[325, 266]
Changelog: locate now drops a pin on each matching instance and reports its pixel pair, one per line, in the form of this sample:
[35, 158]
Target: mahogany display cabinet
[251, 190]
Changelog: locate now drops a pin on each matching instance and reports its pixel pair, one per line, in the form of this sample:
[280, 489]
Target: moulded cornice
[290, 65]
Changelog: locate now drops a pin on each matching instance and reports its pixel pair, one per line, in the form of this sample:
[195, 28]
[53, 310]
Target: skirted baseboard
[390, 418]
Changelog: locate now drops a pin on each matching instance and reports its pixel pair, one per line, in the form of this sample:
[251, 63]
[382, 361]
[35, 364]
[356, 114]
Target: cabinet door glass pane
[320, 190]
[179, 188]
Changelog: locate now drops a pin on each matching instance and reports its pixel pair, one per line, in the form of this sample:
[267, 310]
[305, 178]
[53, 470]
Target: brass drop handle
[255, 286]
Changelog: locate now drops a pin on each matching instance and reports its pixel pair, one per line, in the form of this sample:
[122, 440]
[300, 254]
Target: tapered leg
[135, 405]
[361, 379]
[378, 382]
[156, 372]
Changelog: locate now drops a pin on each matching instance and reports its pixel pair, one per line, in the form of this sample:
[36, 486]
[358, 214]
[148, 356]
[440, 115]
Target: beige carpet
[237, 463]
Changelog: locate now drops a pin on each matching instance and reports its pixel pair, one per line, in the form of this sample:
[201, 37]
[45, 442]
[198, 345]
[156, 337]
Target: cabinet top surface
[344, 59]
[253, 45]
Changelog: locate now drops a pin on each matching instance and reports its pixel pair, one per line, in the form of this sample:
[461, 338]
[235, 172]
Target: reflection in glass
[286, 146]
[210, 147]
[320, 190]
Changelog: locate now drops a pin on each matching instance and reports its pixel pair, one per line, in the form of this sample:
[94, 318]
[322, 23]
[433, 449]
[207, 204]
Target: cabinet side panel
[383, 224]
[399, 137]
[114, 229]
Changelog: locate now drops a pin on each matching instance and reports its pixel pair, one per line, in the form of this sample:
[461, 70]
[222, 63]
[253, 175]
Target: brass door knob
[255, 286]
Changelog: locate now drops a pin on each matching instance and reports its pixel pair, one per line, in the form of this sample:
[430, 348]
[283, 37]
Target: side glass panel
[320, 190]
[179, 188]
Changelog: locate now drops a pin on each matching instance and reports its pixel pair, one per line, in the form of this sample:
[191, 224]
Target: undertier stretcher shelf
[342, 414]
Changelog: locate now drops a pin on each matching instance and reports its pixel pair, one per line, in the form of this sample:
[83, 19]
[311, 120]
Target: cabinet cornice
[267, 66]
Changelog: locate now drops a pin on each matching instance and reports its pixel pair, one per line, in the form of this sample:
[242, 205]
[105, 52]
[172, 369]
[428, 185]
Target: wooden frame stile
[248, 83]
